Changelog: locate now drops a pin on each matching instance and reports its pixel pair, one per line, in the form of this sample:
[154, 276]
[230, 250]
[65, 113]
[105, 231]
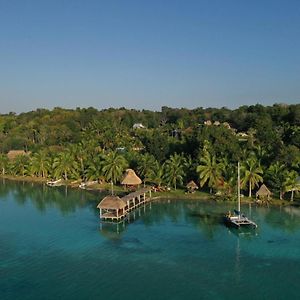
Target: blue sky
[147, 54]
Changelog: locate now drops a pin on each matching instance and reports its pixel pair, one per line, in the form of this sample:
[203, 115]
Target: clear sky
[146, 54]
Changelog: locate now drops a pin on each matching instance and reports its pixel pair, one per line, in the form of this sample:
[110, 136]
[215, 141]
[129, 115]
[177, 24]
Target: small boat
[86, 184]
[238, 219]
[55, 183]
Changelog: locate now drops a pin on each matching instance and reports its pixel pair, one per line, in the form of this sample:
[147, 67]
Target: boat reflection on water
[242, 232]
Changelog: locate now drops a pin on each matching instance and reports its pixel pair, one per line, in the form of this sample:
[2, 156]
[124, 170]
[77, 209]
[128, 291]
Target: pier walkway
[114, 208]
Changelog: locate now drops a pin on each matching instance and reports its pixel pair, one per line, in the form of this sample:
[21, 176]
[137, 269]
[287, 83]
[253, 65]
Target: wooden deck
[109, 216]
[130, 202]
[238, 222]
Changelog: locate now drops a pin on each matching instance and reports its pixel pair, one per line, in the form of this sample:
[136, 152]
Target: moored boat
[54, 182]
[238, 219]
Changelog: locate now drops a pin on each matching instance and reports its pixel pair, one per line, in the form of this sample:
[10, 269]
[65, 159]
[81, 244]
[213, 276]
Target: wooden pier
[114, 208]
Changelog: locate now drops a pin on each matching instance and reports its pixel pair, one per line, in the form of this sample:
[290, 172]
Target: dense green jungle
[166, 148]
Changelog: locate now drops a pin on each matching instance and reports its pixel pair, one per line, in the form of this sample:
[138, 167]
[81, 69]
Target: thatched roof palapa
[111, 202]
[12, 154]
[131, 178]
[263, 191]
[192, 185]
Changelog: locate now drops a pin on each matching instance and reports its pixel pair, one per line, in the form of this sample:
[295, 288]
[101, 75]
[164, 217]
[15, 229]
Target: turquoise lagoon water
[52, 246]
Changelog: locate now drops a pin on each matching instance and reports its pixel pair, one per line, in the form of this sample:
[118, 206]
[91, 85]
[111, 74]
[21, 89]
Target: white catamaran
[238, 219]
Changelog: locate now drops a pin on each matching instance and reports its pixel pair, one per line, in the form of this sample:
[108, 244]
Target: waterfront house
[131, 179]
[112, 207]
[12, 154]
[191, 186]
[263, 193]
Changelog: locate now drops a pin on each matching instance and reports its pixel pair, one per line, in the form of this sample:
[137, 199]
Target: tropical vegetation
[173, 147]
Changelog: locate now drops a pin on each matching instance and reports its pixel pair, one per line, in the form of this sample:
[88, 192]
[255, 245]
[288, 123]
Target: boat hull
[239, 222]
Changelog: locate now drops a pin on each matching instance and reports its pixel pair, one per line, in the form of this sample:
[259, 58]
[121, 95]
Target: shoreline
[179, 194]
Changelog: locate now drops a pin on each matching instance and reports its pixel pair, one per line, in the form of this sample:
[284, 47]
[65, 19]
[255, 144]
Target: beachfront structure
[13, 154]
[114, 208]
[131, 179]
[192, 186]
[263, 192]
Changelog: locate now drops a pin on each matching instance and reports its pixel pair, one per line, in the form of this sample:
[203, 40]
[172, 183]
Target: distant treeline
[43, 127]
[186, 137]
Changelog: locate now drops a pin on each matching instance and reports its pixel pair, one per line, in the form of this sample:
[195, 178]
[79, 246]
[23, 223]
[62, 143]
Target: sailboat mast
[239, 190]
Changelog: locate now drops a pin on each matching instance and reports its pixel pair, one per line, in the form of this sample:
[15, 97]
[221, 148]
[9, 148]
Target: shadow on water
[284, 218]
[42, 197]
[205, 220]
[205, 217]
[116, 230]
[209, 218]
[112, 231]
[179, 213]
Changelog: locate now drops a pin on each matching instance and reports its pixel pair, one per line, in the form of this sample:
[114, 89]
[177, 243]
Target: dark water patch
[278, 241]
[212, 216]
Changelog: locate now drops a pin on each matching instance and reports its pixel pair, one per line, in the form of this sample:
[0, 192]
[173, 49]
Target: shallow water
[52, 246]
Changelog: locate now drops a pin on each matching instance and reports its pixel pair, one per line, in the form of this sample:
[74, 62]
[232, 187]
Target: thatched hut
[112, 207]
[131, 179]
[192, 186]
[263, 193]
[12, 154]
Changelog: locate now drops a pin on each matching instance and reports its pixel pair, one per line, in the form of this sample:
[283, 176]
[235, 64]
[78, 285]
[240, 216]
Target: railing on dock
[113, 208]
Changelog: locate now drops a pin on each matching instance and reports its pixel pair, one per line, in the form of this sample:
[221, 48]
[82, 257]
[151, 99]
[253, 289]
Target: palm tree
[3, 163]
[174, 169]
[229, 177]
[157, 176]
[20, 165]
[93, 170]
[275, 176]
[251, 174]
[81, 153]
[261, 153]
[146, 166]
[40, 164]
[210, 171]
[64, 165]
[114, 165]
[291, 183]
[190, 168]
